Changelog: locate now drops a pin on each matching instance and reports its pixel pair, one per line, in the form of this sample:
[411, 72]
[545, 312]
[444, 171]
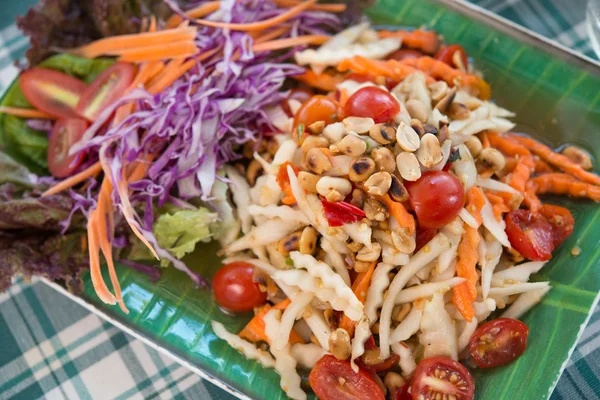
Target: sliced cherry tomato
[446, 55]
[498, 342]
[51, 91]
[389, 363]
[403, 54]
[437, 198]
[531, 235]
[332, 379]
[301, 95]
[402, 393]
[439, 376]
[107, 88]
[317, 108]
[562, 222]
[234, 288]
[372, 102]
[341, 213]
[424, 235]
[65, 133]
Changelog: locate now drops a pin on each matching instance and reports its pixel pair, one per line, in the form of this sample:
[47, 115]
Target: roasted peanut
[438, 90]
[316, 128]
[379, 183]
[417, 126]
[313, 142]
[339, 344]
[331, 317]
[446, 101]
[358, 124]
[417, 110]
[491, 159]
[361, 169]
[407, 138]
[408, 166]
[403, 241]
[427, 128]
[334, 132]
[397, 190]
[429, 153]
[308, 241]
[394, 381]
[372, 357]
[474, 145]
[361, 266]
[333, 188]
[458, 111]
[369, 254]
[375, 210]
[383, 133]
[578, 156]
[355, 246]
[384, 159]
[289, 243]
[317, 161]
[308, 181]
[352, 146]
[253, 171]
[358, 198]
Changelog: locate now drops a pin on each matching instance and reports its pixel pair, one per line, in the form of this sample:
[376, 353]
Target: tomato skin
[388, 363]
[402, 393]
[372, 102]
[107, 88]
[325, 377]
[301, 95]
[65, 133]
[462, 389]
[562, 222]
[498, 342]
[437, 198]
[403, 54]
[317, 108]
[531, 235]
[234, 288]
[446, 54]
[424, 235]
[52, 91]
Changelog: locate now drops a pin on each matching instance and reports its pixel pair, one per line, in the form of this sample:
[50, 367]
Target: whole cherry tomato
[234, 288]
[372, 102]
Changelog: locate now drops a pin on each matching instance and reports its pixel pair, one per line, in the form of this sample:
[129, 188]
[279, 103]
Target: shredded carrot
[498, 205]
[261, 25]
[71, 181]
[531, 200]
[559, 183]
[283, 179]
[360, 286]
[427, 41]
[541, 166]
[520, 175]
[254, 331]
[558, 160]
[273, 34]
[25, 112]
[153, 25]
[323, 81]
[475, 202]
[393, 69]
[159, 52]
[147, 71]
[333, 8]
[343, 99]
[465, 294]
[290, 42]
[440, 70]
[510, 164]
[116, 45]
[198, 12]
[398, 211]
[96, 274]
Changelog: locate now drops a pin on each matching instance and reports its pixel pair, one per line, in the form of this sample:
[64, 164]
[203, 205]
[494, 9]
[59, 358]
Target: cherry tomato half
[437, 198]
[332, 379]
[439, 376]
[403, 54]
[498, 342]
[107, 88]
[51, 91]
[402, 393]
[424, 235]
[317, 108]
[562, 222]
[446, 55]
[234, 288]
[531, 235]
[301, 95]
[65, 133]
[372, 102]
[386, 364]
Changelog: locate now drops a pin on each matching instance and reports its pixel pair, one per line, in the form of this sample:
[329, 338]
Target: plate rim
[463, 7]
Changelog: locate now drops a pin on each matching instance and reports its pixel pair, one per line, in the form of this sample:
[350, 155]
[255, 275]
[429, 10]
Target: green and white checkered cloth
[52, 348]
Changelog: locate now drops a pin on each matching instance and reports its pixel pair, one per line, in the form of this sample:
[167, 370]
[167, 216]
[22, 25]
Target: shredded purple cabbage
[152, 272]
[195, 126]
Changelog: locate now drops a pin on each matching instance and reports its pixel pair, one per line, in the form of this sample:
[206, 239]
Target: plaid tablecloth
[53, 348]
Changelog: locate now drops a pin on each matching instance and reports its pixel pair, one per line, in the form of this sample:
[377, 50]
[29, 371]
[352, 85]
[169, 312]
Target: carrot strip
[254, 331]
[440, 70]
[475, 202]
[198, 12]
[25, 112]
[520, 175]
[261, 25]
[510, 164]
[89, 172]
[398, 211]
[275, 33]
[393, 69]
[153, 24]
[559, 183]
[94, 254]
[283, 180]
[147, 71]
[465, 294]
[158, 52]
[558, 160]
[290, 42]
[323, 81]
[115, 45]
[359, 287]
[541, 166]
[427, 41]
[333, 8]
[498, 205]
[531, 200]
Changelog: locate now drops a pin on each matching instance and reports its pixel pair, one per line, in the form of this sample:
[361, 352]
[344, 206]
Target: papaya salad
[376, 211]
